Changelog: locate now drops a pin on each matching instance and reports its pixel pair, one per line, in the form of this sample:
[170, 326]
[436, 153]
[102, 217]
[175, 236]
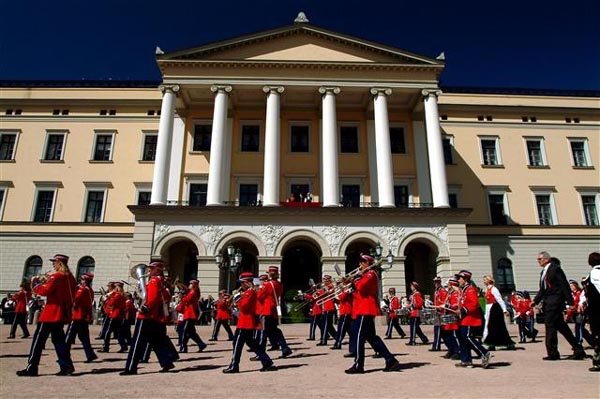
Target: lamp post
[377, 253]
[230, 262]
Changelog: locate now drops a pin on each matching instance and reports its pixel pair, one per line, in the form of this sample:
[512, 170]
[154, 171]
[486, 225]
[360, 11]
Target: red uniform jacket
[394, 306]
[21, 299]
[316, 309]
[572, 311]
[269, 296]
[329, 305]
[59, 290]
[129, 309]
[439, 297]
[345, 300]
[190, 305]
[82, 303]
[452, 301]
[247, 308]
[416, 301]
[223, 311]
[489, 297]
[154, 300]
[364, 297]
[115, 306]
[470, 309]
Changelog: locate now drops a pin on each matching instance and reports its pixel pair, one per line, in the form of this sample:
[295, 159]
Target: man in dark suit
[554, 293]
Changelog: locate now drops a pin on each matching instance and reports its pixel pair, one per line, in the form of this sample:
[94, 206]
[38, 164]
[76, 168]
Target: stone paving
[311, 372]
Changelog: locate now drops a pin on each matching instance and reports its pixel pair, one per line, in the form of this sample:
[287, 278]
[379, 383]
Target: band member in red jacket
[59, 289]
[416, 303]
[393, 316]
[190, 315]
[344, 299]
[450, 329]
[245, 327]
[21, 299]
[316, 312]
[365, 307]
[114, 307]
[270, 296]
[82, 317]
[328, 306]
[222, 316]
[439, 298]
[470, 313]
[150, 328]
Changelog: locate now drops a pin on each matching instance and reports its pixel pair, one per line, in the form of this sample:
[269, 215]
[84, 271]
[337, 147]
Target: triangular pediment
[300, 43]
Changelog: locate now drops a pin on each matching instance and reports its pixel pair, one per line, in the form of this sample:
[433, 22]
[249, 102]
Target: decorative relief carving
[270, 235]
[160, 230]
[441, 232]
[393, 236]
[334, 236]
[212, 234]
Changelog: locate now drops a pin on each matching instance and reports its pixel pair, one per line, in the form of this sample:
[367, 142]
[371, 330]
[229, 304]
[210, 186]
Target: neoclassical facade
[299, 147]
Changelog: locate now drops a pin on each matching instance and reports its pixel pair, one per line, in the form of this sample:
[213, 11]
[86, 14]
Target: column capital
[269, 89]
[381, 90]
[219, 88]
[172, 88]
[330, 89]
[431, 92]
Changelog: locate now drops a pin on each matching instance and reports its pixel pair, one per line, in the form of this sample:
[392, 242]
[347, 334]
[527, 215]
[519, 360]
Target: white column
[422, 158]
[272, 147]
[329, 148]
[176, 166]
[218, 140]
[437, 167]
[160, 178]
[385, 174]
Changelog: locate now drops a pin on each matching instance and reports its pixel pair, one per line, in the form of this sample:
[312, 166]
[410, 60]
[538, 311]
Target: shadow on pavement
[191, 359]
[196, 368]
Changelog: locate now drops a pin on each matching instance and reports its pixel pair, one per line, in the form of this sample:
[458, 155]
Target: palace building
[299, 147]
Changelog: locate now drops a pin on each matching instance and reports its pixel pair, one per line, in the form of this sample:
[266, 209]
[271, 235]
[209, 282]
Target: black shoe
[349, 355]
[183, 350]
[464, 365]
[322, 344]
[426, 342]
[578, 355]
[336, 347]
[25, 336]
[392, 366]
[511, 347]
[456, 356]
[66, 371]
[448, 355]
[212, 339]
[167, 368]
[310, 339]
[403, 336]
[535, 333]
[286, 353]
[128, 372]
[255, 358]
[27, 373]
[231, 370]
[377, 356]
[411, 343]
[434, 350]
[91, 359]
[388, 338]
[491, 348]
[354, 370]
[201, 347]
[556, 357]
[103, 350]
[594, 368]
[274, 348]
[270, 367]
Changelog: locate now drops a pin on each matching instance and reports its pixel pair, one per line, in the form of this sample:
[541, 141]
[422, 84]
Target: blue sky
[518, 44]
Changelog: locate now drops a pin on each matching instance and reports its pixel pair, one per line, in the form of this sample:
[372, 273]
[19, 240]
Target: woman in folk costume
[494, 331]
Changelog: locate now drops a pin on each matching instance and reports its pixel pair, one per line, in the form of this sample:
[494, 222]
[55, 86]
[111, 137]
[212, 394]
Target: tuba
[140, 273]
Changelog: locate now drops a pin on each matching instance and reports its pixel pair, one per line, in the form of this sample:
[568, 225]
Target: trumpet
[40, 279]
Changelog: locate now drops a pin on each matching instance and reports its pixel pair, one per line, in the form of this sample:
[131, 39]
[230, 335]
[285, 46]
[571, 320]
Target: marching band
[455, 313]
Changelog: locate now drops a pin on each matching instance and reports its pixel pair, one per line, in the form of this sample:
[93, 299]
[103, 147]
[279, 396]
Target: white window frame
[299, 180]
[141, 187]
[300, 123]
[46, 142]
[586, 151]
[550, 192]
[590, 193]
[409, 184]
[347, 181]
[146, 133]
[200, 122]
[188, 184]
[544, 160]
[503, 192]
[249, 180]
[261, 135]
[404, 126]
[17, 133]
[450, 138]
[97, 133]
[45, 186]
[496, 140]
[339, 137]
[4, 186]
[95, 186]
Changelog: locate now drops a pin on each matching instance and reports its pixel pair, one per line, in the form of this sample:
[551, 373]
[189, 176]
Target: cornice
[69, 119]
[522, 125]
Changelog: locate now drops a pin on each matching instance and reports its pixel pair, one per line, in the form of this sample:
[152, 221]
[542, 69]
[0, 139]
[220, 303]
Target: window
[2, 197]
[447, 145]
[545, 209]
[351, 195]
[299, 191]
[401, 196]
[299, 138]
[505, 281]
[8, 143]
[54, 147]
[103, 147]
[250, 138]
[202, 135]
[397, 140]
[489, 151]
[94, 209]
[87, 264]
[498, 209]
[590, 209]
[453, 200]
[144, 198]
[33, 267]
[580, 152]
[149, 151]
[248, 194]
[348, 139]
[535, 152]
[44, 205]
[197, 194]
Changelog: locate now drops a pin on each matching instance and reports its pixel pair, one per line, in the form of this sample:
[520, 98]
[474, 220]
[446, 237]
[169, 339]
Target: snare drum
[446, 319]
[429, 316]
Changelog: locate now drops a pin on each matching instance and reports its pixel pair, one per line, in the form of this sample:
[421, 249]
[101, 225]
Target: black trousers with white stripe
[57, 334]
[244, 336]
[149, 334]
[363, 328]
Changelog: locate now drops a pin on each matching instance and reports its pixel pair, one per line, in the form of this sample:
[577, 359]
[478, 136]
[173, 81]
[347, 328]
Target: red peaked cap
[367, 258]
[272, 269]
[61, 258]
[246, 276]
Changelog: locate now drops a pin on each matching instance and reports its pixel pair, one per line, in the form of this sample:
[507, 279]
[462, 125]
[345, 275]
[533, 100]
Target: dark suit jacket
[555, 292]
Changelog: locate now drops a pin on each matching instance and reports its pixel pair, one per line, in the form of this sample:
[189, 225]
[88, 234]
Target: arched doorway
[353, 252]
[420, 264]
[301, 262]
[182, 260]
[249, 263]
